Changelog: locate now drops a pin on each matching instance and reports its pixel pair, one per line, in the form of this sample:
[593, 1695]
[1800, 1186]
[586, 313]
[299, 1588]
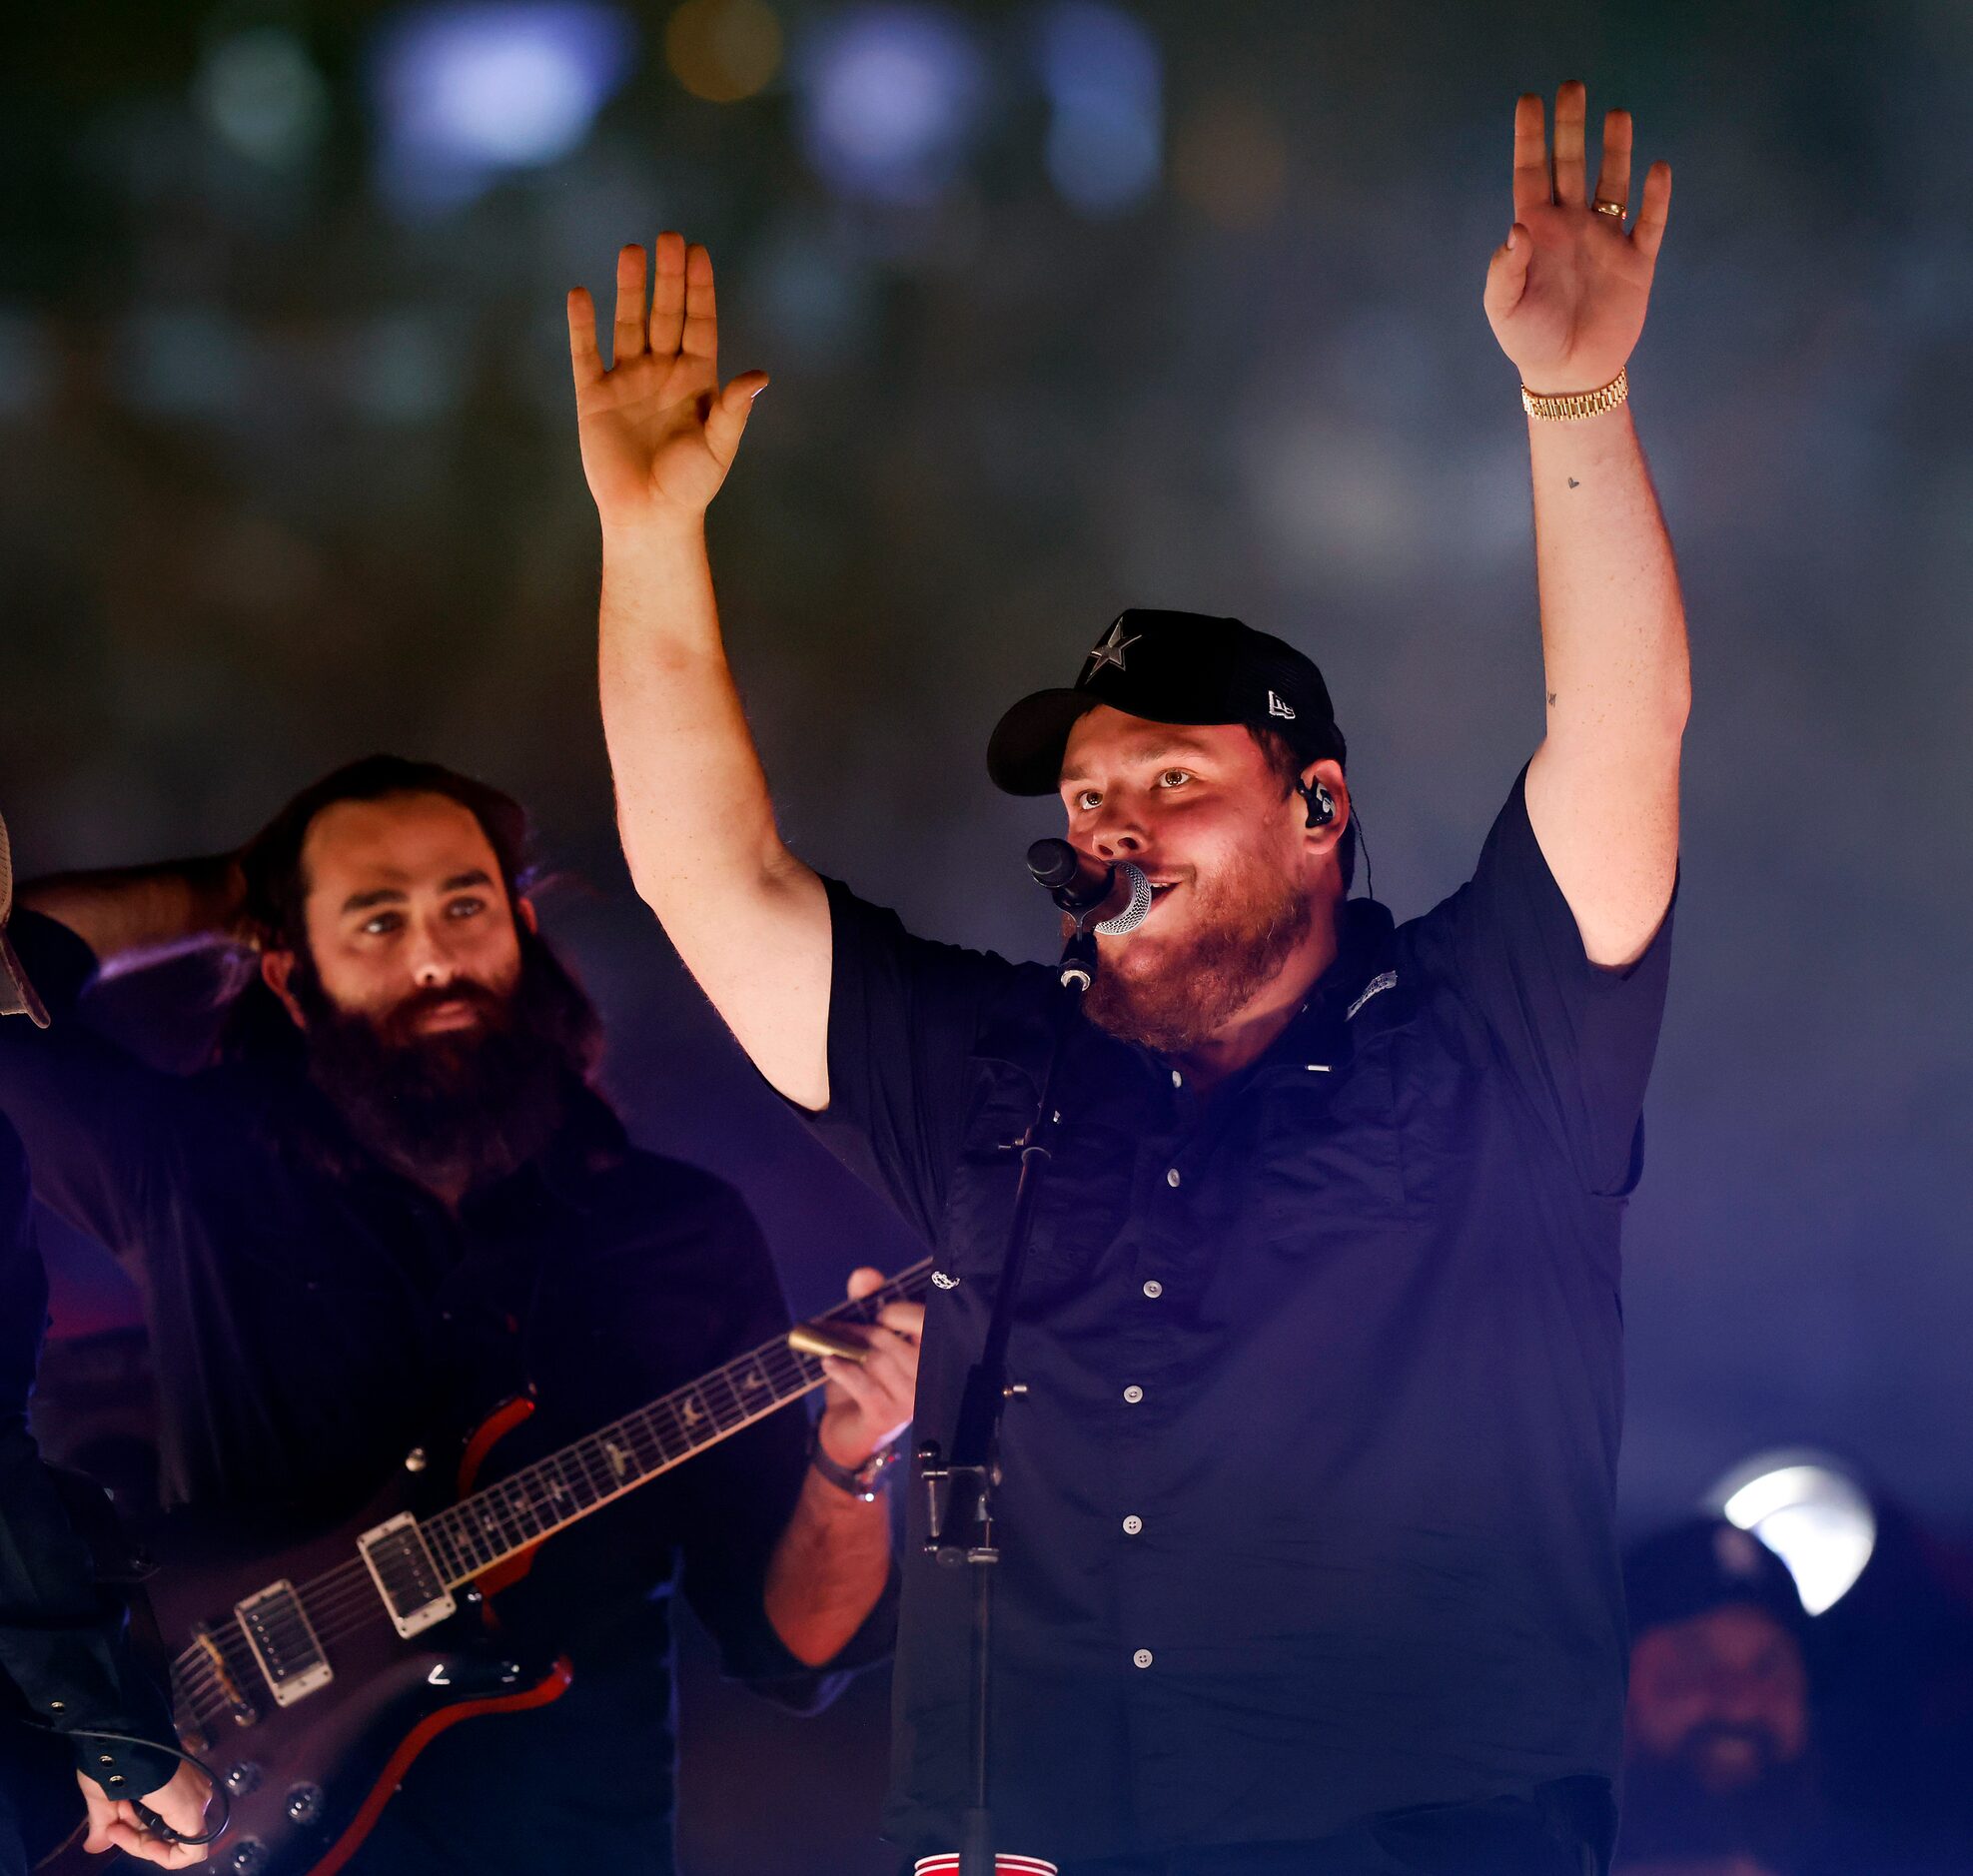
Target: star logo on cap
[1110, 650]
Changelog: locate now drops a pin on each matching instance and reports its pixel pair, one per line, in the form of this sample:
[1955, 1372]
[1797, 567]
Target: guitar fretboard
[504, 1519]
[218, 1673]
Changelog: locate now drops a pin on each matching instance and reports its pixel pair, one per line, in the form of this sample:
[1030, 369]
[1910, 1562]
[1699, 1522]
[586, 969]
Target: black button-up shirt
[1306, 1515]
[309, 1326]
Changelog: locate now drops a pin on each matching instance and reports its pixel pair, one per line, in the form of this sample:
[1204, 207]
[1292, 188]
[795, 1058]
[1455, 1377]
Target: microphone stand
[959, 1490]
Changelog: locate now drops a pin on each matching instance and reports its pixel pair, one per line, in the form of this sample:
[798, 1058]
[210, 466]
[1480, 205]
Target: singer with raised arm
[1307, 1550]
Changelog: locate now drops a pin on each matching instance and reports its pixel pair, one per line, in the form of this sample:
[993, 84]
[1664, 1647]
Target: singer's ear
[1324, 775]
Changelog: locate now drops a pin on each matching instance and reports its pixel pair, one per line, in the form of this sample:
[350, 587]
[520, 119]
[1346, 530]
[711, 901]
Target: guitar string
[328, 1599]
[326, 1603]
[508, 1520]
[775, 1364]
[329, 1605]
[336, 1610]
[358, 1605]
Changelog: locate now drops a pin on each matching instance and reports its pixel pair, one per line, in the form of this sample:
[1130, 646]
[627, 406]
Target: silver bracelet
[868, 1479]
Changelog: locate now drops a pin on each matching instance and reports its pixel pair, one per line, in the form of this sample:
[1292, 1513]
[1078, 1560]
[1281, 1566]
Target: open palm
[658, 431]
[1566, 298]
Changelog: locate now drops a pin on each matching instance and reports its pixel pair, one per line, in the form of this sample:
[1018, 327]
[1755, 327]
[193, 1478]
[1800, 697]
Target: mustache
[397, 1023]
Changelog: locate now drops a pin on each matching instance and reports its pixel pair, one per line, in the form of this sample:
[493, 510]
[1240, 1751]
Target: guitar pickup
[286, 1647]
[410, 1581]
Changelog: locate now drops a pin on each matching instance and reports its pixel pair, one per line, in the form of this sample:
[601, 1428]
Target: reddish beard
[1246, 921]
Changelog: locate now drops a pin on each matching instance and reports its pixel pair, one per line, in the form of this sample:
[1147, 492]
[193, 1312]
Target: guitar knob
[242, 1778]
[416, 1461]
[249, 1857]
[305, 1804]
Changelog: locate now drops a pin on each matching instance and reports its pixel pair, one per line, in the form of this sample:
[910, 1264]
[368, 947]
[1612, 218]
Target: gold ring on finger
[1604, 206]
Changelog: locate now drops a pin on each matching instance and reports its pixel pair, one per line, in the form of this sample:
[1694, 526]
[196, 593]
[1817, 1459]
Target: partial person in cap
[1308, 1559]
[1719, 1772]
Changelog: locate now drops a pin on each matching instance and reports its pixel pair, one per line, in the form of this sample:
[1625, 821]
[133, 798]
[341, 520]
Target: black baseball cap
[1170, 667]
[1703, 1564]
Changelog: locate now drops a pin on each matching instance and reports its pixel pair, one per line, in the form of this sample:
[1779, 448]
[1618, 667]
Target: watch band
[1577, 403]
[868, 1479]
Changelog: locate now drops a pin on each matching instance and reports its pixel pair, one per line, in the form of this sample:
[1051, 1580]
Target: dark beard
[1669, 1814]
[463, 1108]
[1258, 919]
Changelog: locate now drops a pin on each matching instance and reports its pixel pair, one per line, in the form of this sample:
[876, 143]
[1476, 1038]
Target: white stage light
[1810, 1513]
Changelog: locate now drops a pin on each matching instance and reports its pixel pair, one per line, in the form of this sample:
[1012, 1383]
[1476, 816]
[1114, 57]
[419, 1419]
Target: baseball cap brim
[1023, 754]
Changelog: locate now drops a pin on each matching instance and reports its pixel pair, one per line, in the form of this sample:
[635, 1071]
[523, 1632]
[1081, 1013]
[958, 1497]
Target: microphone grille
[1134, 914]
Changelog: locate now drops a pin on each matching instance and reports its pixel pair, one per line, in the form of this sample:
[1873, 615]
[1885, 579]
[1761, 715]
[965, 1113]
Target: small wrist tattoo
[1573, 484]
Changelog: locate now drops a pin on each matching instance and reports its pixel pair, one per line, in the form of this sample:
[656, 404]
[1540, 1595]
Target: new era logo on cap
[1170, 667]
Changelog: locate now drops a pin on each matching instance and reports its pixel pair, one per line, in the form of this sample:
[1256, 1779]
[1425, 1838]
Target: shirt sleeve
[96, 1121]
[64, 1640]
[1578, 1040]
[736, 1500]
[903, 1015]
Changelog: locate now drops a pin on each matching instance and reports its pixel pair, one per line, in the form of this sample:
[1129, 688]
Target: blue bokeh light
[1104, 80]
[468, 91]
[891, 100]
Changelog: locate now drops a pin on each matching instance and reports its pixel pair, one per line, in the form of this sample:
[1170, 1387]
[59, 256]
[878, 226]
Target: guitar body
[308, 1780]
[310, 1669]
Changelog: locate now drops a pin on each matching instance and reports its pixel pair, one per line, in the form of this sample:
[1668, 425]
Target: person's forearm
[1603, 789]
[828, 1570]
[1612, 621]
[750, 920]
[134, 915]
[692, 802]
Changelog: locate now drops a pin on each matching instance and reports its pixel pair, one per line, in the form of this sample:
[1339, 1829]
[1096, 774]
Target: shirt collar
[1364, 929]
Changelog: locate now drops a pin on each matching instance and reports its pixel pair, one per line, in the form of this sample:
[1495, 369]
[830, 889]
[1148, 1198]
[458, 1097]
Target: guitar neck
[513, 1515]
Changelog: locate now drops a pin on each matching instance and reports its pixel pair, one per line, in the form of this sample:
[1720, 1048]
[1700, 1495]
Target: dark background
[1178, 305]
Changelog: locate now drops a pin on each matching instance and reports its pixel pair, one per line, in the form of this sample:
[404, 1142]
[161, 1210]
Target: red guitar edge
[551, 1687]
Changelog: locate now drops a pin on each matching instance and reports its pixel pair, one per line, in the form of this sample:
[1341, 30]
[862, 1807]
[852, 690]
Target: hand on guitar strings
[869, 1402]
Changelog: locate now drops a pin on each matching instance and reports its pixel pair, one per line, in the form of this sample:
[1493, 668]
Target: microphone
[1080, 885]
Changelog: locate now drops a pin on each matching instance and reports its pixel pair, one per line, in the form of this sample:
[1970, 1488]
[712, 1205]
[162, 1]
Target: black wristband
[868, 1479]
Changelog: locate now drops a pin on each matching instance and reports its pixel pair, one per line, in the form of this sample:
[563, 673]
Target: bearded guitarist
[395, 1198]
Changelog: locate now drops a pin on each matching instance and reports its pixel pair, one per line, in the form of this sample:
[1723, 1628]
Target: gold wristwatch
[1577, 402]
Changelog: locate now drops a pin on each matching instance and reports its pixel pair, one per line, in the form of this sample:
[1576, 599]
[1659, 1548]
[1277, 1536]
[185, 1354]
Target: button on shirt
[1306, 1512]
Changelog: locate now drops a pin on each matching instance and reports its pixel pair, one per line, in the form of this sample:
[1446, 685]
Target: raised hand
[1566, 294]
[658, 431]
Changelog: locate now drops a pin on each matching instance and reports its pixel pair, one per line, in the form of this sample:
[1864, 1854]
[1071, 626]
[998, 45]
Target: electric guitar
[311, 1677]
